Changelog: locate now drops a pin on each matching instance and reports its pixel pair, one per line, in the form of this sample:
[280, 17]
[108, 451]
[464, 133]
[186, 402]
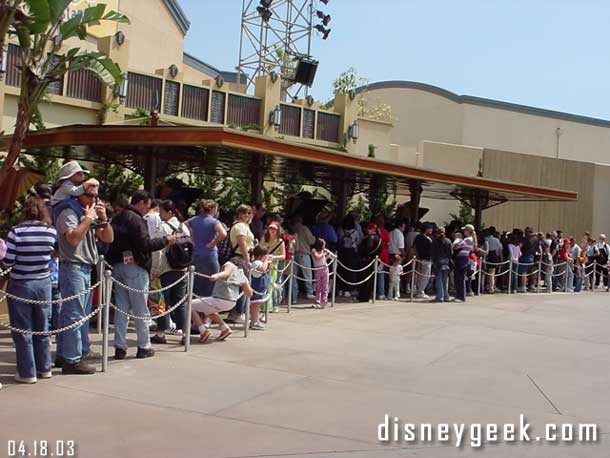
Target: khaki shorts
[210, 305]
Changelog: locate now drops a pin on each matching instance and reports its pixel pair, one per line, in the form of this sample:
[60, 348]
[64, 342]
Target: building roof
[178, 14]
[471, 100]
[198, 64]
[227, 151]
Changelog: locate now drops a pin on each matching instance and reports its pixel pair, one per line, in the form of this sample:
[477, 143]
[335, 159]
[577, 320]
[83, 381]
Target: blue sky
[552, 54]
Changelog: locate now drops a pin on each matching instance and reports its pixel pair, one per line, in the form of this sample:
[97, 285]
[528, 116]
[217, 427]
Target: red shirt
[384, 255]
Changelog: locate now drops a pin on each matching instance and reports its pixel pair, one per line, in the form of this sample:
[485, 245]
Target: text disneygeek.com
[392, 429]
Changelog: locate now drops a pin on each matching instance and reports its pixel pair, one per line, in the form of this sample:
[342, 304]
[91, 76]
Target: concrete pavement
[317, 383]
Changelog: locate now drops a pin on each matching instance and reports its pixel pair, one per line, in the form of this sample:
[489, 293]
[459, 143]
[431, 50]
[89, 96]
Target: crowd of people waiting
[53, 251]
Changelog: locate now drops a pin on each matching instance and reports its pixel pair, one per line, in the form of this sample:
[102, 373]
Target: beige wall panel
[191, 75]
[573, 217]
[446, 157]
[53, 114]
[374, 133]
[529, 134]
[601, 200]
[155, 39]
[420, 116]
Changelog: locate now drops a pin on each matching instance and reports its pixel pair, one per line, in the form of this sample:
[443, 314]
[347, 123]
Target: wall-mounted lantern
[275, 117]
[353, 131]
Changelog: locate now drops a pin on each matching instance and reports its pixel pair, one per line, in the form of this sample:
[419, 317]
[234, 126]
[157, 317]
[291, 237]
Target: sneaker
[145, 353]
[341, 294]
[257, 326]
[275, 310]
[80, 368]
[310, 297]
[395, 299]
[422, 296]
[27, 380]
[120, 353]
[237, 318]
[157, 339]
[381, 298]
[315, 305]
[347, 294]
[47, 374]
[458, 300]
[469, 294]
[226, 332]
[205, 336]
[91, 355]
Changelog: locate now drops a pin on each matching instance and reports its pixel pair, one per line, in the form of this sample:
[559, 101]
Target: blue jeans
[172, 296]
[33, 352]
[135, 277]
[55, 309]
[461, 267]
[441, 282]
[207, 265]
[381, 274]
[74, 278]
[304, 260]
[570, 277]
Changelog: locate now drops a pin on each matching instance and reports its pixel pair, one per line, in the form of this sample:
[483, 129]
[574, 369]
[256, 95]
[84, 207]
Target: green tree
[41, 31]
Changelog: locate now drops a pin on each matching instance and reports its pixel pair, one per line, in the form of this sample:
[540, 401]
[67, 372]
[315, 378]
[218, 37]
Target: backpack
[348, 241]
[180, 254]
[225, 251]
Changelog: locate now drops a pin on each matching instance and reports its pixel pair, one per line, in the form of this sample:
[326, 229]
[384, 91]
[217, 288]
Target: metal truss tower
[274, 35]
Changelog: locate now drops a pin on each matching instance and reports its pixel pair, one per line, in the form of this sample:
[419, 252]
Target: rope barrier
[55, 331]
[358, 283]
[355, 270]
[57, 301]
[149, 317]
[497, 263]
[149, 291]
[5, 271]
[312, 268]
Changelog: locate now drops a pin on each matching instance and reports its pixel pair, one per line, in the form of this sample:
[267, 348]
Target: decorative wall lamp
[220, 81]
[120, 90]
[4, 66]
[353, 131]
[119, 38]
[275, 117]
[173, 70]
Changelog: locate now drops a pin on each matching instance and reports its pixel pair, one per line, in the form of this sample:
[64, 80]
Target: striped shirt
[29, 245]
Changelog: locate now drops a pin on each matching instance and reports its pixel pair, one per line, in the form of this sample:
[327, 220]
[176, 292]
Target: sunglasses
[89, 194]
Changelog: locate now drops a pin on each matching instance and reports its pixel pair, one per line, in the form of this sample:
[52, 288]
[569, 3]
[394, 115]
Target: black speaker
[306, 71]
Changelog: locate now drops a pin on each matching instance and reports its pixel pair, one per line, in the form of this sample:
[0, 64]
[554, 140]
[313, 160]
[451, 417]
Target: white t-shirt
[397, 241]
[395, 272]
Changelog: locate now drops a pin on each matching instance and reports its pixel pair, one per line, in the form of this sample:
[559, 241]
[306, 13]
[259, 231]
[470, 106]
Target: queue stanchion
[100, 292]
[106, 284]
[247, 307]
[480, 278]
[190, 284]
[510, 276]
[376, 270]
[566, 275]
[593, 274]
[539, 282]
[334, 293]
[413, 278]
[290, 280]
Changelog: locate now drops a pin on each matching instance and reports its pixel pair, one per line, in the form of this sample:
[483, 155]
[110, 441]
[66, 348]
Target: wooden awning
[218, 150]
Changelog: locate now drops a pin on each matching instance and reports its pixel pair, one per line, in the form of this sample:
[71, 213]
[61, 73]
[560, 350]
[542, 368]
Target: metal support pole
[107, 286]
[480, 278]
[510, 275]
[376, 267]
[247, 309]
[190, 283]
[565, 278]
[414, 260]
[100, 292]
[291, 278]
[539, 283]
[334, 294]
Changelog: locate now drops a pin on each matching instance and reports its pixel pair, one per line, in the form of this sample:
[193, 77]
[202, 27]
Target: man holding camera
[131, 258]
[79, 222]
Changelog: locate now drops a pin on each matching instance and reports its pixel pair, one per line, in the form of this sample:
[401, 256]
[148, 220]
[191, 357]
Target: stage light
[264, 12]
[325, 17]
[325, 1]
[266, 3]
[324, 31]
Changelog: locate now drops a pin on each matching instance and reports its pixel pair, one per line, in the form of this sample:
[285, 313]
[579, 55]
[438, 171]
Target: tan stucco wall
[155, 40]
[420, 116]
[573, 217]
[601, 204]
[192, 75]
[528, 134]
[53, 114]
